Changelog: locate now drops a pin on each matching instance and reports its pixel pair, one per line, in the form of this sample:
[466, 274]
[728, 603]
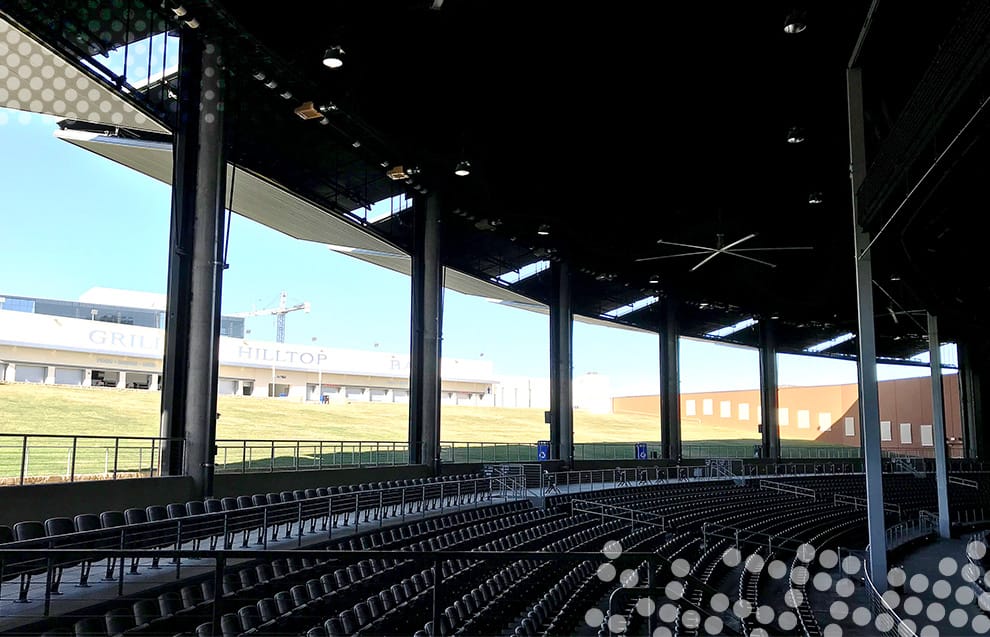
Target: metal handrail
[116, 455]
[857, 502]
[253, 455]
[786, 487]
[627, 514]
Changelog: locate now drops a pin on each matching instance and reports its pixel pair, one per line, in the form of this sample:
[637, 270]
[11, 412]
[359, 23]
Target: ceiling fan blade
[737, 242]
[686, 245]
[780, 248]
[706, 260]
[671, 256]
[743, 256]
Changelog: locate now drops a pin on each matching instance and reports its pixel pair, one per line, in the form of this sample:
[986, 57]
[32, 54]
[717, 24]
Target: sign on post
[641, 452]
[543, 450]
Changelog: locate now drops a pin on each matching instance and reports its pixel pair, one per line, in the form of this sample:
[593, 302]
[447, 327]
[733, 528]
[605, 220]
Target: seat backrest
[283, 601]
[169, 603]
[156, 513]
[176, 510]
[145, 611]
[89, 627]
[362, 614]
[195, 507]
[86, 522]
[109, 519]
[191, 595]
[316, 631]
[29, 530]
[135, 516]
[212, 505]
[59, 526]
[300, 596]
[334, 627]
[230, 625]
[118, 620]
[267, 610]
[232, 504]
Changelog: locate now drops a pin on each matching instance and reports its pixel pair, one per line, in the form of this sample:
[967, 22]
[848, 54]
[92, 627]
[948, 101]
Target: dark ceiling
[618, 125]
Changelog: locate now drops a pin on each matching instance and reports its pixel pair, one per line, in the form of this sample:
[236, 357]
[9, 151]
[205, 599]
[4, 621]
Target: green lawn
[67, 411]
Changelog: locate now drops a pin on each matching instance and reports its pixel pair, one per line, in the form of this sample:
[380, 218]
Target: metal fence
[37, 458]
[257, 455]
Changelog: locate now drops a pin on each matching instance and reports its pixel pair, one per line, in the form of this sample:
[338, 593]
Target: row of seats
[267, 577]
[177, 524]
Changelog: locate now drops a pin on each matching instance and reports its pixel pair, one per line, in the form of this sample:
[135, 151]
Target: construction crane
[279, 314]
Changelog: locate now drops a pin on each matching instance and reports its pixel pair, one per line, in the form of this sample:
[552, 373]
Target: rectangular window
[783, 417]
[905, 433]
[707, 407]
[743, 411]
[804, 419]
[725, 409]
[689, 407]
[885, 430]
[850, 426]
[927, 439]
[824, 421]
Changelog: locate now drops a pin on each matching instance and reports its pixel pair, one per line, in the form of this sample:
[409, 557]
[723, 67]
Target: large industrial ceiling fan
[720, 247]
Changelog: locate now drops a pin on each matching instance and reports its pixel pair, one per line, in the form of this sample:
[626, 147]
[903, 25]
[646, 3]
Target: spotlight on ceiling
[815, 198]
[307, 110]
[259, 75]
[796, 22]
[463, 168]
[286, 95]
[654, 279]
[543, 230]
[271, 84]
[333, 58]
[795, 135]
[400, 172]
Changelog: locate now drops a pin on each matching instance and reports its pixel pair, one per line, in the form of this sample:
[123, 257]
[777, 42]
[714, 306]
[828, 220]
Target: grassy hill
[66, 411]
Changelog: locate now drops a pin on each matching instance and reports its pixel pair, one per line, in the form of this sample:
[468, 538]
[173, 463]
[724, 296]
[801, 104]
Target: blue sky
[70, 220]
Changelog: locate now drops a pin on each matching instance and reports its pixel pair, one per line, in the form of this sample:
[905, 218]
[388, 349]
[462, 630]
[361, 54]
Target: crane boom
[279, 314]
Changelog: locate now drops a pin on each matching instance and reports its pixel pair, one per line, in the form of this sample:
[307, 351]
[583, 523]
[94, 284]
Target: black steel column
[866, 361]
[770, 447]
[425, 323]
[192, 323]
[670, 382]
[561, 364]
[972, 364]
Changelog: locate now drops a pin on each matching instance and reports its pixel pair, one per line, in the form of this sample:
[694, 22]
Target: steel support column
[971, 364]
[561, 364]
[192, 323]
[770, 447]
[938, 429]
[866, 362]
[426, 325]
[670, 382]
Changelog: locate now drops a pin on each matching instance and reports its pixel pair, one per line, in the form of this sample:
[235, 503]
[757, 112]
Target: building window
[850, 426]
[743, 411]
[783, 417]
[905, 433]
[824, 421]
[804, 419]
[689, 407]
[885, 430]
[725, 408]
[927, 438]
[707, 407]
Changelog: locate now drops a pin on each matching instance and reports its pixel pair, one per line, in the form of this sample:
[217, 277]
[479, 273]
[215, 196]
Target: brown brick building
[827, 414]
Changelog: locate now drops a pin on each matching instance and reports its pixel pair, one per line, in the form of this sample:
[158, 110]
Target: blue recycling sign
[641, 452]
[543, 450]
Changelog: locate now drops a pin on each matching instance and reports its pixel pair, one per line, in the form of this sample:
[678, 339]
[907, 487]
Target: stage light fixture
[795, 22]
[543, 230]
[795, 135]
[815, 198]
[333, 58]
[463, 168]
